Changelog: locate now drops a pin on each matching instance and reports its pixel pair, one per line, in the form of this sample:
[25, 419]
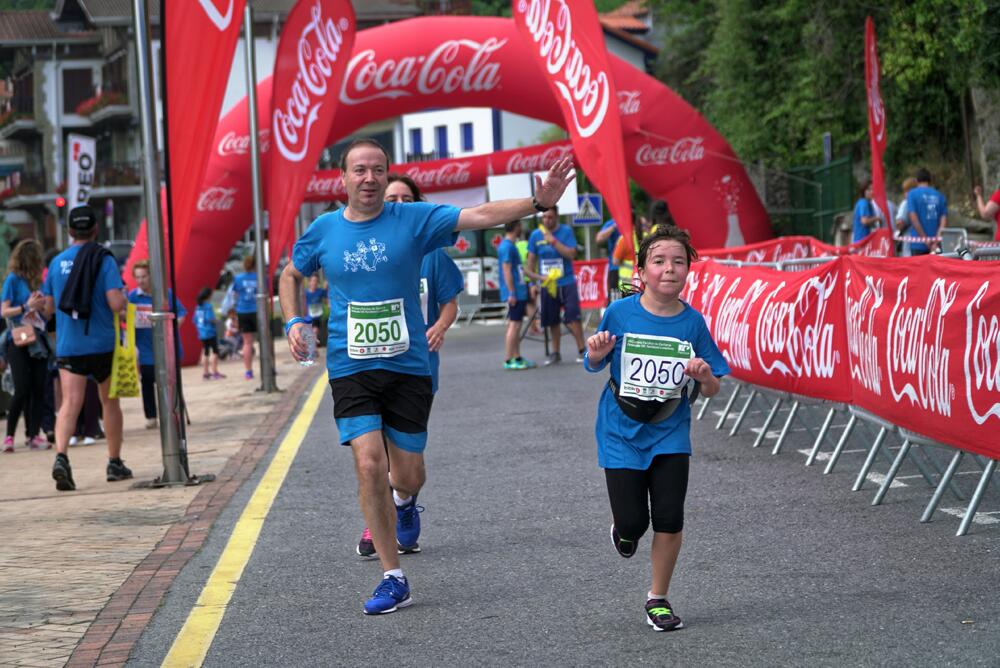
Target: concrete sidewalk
[65, 556]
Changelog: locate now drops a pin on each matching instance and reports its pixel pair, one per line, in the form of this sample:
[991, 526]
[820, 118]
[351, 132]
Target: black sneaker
[625, 548]
[366, 547]
[118, 471]
[660, 615]
[63, 474]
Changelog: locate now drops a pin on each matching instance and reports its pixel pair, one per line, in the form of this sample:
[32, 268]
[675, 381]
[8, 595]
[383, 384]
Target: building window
[416, 140]
[441, 137]
[78, 85]
[466, 137]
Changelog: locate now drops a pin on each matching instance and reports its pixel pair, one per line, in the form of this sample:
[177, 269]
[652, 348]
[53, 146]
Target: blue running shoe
[408, 527]
[390, 595]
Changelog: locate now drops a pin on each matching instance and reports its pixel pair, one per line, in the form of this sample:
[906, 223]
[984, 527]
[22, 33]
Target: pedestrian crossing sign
[590, 206]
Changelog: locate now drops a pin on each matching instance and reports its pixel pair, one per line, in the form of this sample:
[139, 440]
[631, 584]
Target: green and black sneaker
[661, 616]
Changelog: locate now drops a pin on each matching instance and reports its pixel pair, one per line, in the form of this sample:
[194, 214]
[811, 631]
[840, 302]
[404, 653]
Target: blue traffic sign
[590, 207]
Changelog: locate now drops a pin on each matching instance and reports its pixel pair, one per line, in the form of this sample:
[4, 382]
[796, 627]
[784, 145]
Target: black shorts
[209, 346]
[248, 322]
[97, 365]
[657, 493]
[380, 400]
[515, 313]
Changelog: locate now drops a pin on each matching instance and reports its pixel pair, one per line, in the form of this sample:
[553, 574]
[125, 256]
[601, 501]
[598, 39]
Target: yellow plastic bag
[124, 366]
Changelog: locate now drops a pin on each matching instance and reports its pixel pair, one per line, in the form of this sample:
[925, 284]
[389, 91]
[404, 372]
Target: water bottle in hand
[309, 336]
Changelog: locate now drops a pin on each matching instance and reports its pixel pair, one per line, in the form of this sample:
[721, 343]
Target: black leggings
[147, 378]
[662, 488]
[29, 375]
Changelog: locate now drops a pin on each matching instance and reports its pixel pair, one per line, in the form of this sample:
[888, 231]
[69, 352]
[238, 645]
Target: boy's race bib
[376, 329]
[652, 367]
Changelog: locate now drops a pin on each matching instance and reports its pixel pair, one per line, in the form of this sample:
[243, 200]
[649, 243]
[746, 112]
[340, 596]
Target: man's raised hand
[548, 192]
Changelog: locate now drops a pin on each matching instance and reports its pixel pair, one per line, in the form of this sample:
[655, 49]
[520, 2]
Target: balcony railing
[425, 157]
[100, 101]
[23, 183]
[118, 174]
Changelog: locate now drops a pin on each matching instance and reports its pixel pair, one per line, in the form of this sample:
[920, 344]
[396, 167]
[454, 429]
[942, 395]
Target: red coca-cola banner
[312, 55]
[591, 282]
[786, 249]
[569, 48]
[876, 117]
[451, 173]
[191, 118]
[877, 244]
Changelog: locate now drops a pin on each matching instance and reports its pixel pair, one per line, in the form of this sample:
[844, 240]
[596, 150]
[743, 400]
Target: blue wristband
[293, 321]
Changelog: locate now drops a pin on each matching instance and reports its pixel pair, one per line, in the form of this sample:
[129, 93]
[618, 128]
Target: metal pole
[163, 349]
[267, 383]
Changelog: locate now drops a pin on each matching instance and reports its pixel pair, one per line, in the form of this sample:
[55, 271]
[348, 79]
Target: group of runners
[392, 298]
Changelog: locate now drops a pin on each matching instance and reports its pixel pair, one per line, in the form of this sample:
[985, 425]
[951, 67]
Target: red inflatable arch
[408, 66]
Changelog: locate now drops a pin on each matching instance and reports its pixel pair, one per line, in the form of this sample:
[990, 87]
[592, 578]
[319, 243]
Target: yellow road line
[191, 644]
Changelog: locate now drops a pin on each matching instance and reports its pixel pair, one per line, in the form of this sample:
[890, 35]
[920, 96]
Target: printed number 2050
[649, 372]
[383, 333]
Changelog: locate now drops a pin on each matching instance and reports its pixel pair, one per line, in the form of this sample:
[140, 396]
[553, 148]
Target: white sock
[396, 572]
[400, 501]
[650, 596]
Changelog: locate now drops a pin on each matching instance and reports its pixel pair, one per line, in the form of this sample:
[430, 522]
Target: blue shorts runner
[380, 400]
[567, 299]
[515, 313]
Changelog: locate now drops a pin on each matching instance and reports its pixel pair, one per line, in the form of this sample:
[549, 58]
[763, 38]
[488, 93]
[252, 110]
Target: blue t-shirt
[929, 205]
[15, 291]
[70, 338]
[623, 443]
[862, 207]
[245, 289]
[547, 255]
[144, 335]
[507, 254]
[440, 282]
[374, 264]
[204, 321]
[612, 242]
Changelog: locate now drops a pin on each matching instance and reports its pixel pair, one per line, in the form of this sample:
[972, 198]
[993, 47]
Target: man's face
[142, 279]
[366, 177]
[550, 219]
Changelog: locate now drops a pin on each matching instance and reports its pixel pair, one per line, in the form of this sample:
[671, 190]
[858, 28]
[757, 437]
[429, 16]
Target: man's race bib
[652, 367]
[376, 329]
[550, 263]
[423, 298]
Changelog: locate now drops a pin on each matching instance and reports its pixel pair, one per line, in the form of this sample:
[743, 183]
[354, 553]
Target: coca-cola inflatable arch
[403, 67]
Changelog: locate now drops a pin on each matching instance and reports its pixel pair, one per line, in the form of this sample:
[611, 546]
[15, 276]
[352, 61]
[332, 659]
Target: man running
[377, 361]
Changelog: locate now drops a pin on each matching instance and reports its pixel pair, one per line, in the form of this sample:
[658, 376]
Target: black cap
[82, 218]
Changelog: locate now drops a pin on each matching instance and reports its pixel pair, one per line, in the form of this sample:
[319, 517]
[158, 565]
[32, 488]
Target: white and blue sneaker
[408, 527]
[390, 595]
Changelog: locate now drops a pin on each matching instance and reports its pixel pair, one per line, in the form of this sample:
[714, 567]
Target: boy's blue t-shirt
[144, 335]
[548, 256]
[15, 291]
[507, 254]
[70, 337]
[245, 288]
[612, 242]
[929, 205]
[623, 443]
[862, 207]
[440, 282]
[204, 321]
[375, 265]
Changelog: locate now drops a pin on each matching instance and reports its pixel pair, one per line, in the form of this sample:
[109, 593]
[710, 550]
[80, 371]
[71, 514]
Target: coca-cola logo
[862, 342]
[982, 358]
[628, 102]
[584, 88]
[448, 174]
[732, 326]
[589, 283]
[317, 49]
[794, 338]
[879, 246]
[713, 284]
[234, 144]
[220, 20]
[537, 162]
[331, 186]
[917, 359]
[217, 199]
[875, 106]
[455, 66]
[685, 149]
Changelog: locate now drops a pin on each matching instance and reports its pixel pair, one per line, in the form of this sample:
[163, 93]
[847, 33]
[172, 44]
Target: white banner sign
[81, 155]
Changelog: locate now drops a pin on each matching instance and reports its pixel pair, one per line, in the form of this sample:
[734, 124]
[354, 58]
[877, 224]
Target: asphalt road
[781, 565]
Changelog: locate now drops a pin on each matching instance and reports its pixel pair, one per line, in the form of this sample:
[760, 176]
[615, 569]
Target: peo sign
[81, 152]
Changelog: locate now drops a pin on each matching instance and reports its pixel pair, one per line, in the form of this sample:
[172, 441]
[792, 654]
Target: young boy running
[656, 345]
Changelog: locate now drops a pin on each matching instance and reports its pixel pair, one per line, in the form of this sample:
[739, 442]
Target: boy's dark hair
[203, 295]
[665, 233]
[511, 226]
[410, 183]
[363, 141]
[923, 176]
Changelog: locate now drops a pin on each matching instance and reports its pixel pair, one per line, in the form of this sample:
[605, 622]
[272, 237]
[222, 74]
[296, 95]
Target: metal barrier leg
[822, 435]
[939, 492]
[893, 470]
[704, 407]
[870, 459]
[767, 422]
[936, 465]
[784, 429]
[984, 482]
[927, 475]
[729, 406]
[840, 445]
[743, 412]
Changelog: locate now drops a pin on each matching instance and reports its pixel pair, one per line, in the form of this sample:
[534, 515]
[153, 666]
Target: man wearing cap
[84, 289]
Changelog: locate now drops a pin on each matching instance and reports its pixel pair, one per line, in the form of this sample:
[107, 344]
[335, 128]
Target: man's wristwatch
[538, 206]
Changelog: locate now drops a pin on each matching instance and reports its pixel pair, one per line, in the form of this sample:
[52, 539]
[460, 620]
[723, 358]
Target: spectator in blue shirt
[866, 219]
[244, 294]
[204, 321]
[609, 233]
[928, 211]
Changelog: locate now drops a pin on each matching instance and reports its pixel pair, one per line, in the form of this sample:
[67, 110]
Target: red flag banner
[876, 117]
[199, 41]
[313, 51]
[592, 282]
[566, 40]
